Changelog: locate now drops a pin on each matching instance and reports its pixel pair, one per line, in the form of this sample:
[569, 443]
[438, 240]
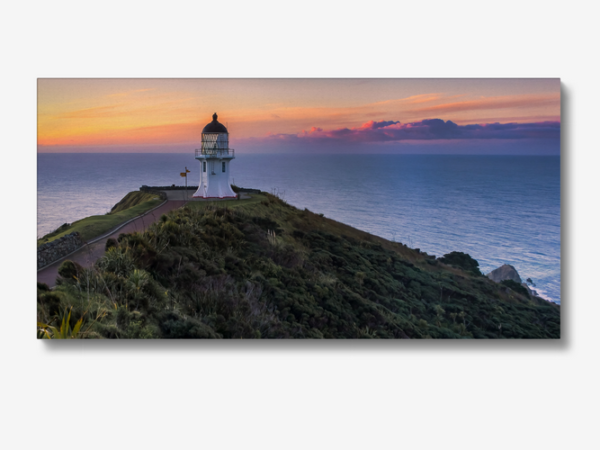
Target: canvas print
[298, 209]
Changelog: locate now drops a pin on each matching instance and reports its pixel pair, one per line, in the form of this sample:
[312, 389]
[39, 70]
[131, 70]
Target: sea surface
[498, 209]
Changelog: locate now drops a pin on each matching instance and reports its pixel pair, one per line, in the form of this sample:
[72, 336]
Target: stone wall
[158, 190]
[145, 188]
[53, 251]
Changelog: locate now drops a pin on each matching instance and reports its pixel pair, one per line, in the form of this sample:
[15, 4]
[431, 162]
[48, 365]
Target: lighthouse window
[203, 166]
[223, 167]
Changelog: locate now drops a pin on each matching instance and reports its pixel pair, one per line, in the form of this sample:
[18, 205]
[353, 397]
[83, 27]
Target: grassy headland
[261, 268]
[132, 205]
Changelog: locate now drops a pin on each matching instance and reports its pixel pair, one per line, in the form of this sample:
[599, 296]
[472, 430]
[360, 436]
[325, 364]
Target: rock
[504, 272]
[508, 272]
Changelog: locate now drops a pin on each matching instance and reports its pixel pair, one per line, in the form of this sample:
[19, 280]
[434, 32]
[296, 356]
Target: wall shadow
[566, 190]
[306, 346]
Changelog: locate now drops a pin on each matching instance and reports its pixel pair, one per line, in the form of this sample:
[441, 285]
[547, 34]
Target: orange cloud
[414, 99]
[90, 113]
[504, 102]
[253, 123]
[135, 91]
[158, 134]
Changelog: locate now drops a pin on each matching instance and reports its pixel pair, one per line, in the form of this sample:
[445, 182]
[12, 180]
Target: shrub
[110, 243]
[50, 302]
[516, 287]
[174, 326]
[117, 261]
[70, 270]
[65, 331]
[462, 261]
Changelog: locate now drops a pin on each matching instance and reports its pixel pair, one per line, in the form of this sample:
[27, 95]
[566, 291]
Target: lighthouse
[215, 157]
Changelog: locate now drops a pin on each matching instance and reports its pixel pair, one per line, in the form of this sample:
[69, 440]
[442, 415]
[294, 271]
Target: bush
[174, 326]
[462, 261]
[118, 261]
[50, 302]
[70, 270]
[110, 243]
[516, 287]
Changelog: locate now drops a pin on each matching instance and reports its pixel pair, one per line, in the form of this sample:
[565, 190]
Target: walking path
[89, 253]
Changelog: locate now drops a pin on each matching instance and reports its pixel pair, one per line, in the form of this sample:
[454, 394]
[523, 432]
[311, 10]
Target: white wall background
[299, 395]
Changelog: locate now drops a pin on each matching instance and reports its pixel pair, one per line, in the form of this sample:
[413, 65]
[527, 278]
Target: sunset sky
[301, 115]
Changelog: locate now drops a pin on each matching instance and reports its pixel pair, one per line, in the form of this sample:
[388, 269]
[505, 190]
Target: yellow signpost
[184, 175]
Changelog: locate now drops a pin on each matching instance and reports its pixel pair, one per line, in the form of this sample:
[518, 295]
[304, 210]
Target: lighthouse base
[218, 191]
[199, 196]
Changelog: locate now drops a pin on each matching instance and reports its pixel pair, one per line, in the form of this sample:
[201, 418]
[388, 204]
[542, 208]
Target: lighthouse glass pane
[223, 167]
[213, 143]
[209, 143]
[204, 166]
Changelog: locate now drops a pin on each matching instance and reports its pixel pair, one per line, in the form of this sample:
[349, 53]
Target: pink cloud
[429, 129]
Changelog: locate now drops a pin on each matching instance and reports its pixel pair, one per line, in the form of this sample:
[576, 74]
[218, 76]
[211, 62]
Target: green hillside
[133, 199]
[264, 269]
[132, 205]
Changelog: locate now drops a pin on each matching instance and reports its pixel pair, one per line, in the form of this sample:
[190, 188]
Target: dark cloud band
[425, 130]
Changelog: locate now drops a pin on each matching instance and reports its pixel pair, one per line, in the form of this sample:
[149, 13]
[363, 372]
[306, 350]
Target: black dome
[215, 126]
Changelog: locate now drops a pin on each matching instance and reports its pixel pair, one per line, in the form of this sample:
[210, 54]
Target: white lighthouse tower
[214, 156]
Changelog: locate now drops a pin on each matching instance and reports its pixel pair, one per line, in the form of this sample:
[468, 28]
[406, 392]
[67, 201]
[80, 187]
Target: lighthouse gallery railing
[217, 152]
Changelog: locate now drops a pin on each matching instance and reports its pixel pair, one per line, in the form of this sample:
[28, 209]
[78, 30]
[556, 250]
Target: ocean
[498, 209]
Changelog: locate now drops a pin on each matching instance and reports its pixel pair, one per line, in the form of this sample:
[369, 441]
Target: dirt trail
[88, 254]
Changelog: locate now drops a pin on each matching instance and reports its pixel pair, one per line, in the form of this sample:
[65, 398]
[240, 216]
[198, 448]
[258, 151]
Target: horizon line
[301, 153]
